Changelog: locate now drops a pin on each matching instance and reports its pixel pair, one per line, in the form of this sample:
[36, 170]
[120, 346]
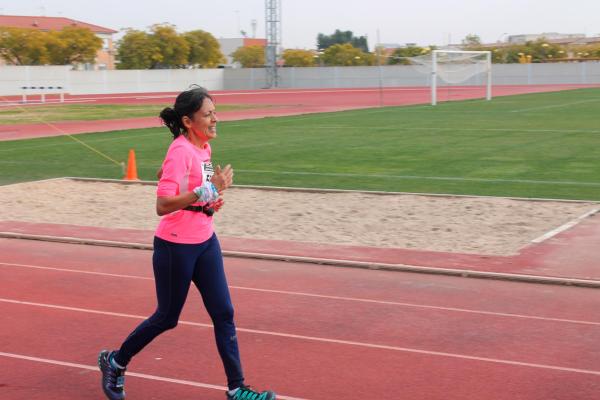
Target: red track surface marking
[305, 347]
[137, 263]
[316, 295]
[316, 329]
[287, 102]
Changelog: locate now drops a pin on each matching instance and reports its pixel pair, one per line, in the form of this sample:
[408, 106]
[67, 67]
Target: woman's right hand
[222, 178]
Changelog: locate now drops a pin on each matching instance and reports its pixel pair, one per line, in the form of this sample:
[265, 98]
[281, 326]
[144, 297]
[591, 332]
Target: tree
[205, 50]
[339, 37]
[73, 45]
[346, 55]
[541, 51]
[401, 55]
[584, 51]
[471, 40]
[511, 54]
[137, 51]
[163, 47]
[173, 47]
[31, 47]
[20, 46]
[250, 56]
[298, 58]
[538, 51]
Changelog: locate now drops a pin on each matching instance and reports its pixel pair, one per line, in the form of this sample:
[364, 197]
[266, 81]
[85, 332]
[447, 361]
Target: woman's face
[203, 123]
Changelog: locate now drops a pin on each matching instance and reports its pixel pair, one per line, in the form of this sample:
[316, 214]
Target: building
[105, 58]
[228, 46]
[388, 49]
[549, 36]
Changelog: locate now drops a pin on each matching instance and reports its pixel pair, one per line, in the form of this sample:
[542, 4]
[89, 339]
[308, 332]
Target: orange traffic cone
[131, 174]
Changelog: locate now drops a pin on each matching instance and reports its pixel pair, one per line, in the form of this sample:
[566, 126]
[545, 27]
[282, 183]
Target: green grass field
[86, 112]
[537, 145]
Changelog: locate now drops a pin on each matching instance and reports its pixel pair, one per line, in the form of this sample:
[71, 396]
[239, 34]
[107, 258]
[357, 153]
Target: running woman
[186, 249]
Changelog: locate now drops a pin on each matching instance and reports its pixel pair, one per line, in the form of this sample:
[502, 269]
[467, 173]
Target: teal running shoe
[113, 378]
[246, 393]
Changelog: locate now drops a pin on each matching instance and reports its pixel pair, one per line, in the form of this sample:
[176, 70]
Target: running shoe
[246, 393]
[113, 378]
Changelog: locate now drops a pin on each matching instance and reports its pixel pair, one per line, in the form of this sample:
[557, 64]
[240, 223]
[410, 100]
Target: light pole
[319, 57]
[378, 54]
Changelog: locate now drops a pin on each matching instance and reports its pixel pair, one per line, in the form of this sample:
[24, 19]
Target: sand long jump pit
[458, 224]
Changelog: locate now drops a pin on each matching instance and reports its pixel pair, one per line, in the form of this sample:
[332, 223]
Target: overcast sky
[415, 21]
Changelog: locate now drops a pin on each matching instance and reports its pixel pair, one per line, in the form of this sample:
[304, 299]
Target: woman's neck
[193, 139]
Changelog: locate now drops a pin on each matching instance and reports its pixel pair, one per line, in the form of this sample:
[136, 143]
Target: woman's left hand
[218, 204]
[222, 178]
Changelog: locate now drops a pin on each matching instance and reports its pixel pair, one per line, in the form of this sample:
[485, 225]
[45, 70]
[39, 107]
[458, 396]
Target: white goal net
[456, 67]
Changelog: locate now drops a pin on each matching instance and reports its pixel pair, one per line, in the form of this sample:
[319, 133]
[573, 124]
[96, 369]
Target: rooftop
[48, 23]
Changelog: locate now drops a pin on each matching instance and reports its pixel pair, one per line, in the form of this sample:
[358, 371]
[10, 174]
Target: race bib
[207, 171]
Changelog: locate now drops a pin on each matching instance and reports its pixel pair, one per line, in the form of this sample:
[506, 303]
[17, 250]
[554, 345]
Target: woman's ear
[186, 121]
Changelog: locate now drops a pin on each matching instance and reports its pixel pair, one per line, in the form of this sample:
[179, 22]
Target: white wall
[174, 80]
[13, 78]
[402, 75]
[107, 81]
[140, 81]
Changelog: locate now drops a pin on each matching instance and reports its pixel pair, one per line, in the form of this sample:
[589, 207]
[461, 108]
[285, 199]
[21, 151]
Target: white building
[228, 46]
[550, 36]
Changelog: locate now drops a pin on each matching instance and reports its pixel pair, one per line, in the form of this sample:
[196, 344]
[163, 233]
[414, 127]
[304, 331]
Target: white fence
[402, 75]
[13, 79]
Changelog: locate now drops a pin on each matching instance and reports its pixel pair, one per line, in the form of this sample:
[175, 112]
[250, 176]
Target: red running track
[332, 97]
[307, 331]
[273, 102]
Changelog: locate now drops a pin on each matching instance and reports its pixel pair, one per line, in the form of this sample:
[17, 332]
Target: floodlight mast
[273, 33]
[434, 71]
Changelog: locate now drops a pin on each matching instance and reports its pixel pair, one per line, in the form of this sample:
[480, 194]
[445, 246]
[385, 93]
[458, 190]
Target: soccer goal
[457, 67]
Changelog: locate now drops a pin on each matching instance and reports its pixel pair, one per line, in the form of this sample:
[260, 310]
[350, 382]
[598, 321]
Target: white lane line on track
[322, 296]
[328, 340]
[565, 226]
[273, 92]
[251, 93]
[129, 373]
[225, 94]
[341, 91]
[140, 96]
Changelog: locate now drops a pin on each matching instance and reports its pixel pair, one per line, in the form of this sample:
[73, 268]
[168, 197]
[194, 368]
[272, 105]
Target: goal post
[456, 66]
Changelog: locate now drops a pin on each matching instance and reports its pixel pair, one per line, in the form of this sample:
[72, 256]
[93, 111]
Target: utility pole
[273, 33]
[379, 55]
[253, 24]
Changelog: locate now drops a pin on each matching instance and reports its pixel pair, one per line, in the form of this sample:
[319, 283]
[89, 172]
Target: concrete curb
[317, 190]
[551, 280]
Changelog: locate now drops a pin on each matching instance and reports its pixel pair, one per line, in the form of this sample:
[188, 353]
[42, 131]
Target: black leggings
[175, 267]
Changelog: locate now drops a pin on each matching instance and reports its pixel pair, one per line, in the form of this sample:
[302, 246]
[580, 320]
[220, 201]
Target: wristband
[207, 192]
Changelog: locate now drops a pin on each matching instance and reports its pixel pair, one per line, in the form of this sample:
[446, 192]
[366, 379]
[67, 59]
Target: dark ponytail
[172, 121]
[186, 104]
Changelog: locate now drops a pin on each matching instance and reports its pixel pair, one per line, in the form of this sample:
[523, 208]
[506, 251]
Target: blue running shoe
[246, 393]
[113, 378]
